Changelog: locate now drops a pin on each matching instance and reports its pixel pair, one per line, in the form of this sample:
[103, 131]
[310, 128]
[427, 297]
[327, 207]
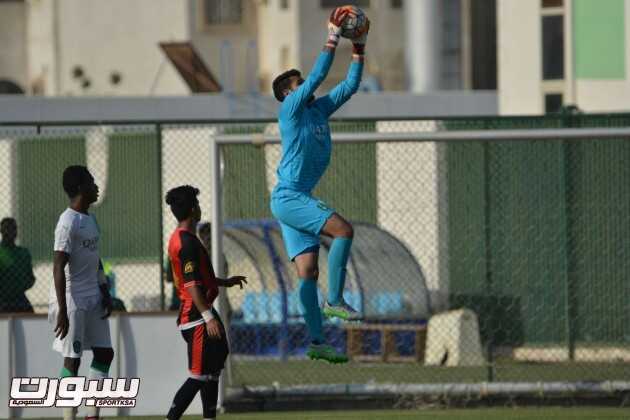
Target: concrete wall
[386, 45]
[42, 47]
[147, 346]
[519, 57]
[229, 50]
[412, 201]
[278, 40]
[424, 40]
[7, 165]
[205, 108]
[123, 36]
[13, 35]
[520, 62]
[5, 366]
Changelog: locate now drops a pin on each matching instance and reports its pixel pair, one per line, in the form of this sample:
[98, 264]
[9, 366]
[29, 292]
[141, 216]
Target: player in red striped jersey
[197, 287]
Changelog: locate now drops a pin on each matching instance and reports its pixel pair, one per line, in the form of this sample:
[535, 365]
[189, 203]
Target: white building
[563, 52]
[76, 47]
[73, 47]
[538, 54]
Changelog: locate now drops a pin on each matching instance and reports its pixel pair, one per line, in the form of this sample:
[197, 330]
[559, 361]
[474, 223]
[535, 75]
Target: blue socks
[337, 260]
[312, 313]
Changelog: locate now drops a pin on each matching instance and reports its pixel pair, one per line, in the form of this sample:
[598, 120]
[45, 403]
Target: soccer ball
[354, 24]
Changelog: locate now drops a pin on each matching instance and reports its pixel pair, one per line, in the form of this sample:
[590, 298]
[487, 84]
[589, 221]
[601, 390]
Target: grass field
[264, 372]
[454, 414]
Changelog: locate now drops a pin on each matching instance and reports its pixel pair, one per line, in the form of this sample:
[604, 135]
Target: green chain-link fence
[530, 236]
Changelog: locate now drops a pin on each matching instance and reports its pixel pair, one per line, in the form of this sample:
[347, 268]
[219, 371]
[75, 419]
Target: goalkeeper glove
[334, 26]
[358, 43]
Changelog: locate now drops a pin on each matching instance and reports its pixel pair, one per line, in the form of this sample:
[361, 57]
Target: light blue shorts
[302, 218]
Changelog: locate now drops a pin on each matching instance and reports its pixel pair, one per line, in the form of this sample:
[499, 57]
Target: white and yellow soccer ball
[354, 24]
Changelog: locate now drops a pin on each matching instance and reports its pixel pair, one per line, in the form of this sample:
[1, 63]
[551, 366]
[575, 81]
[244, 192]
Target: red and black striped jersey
[191, 267]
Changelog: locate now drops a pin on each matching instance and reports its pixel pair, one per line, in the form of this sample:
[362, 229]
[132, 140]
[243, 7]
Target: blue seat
[274, 306]
[294, 304]
[262, 300]
[352, 298]
[249, 308]
[387, 303]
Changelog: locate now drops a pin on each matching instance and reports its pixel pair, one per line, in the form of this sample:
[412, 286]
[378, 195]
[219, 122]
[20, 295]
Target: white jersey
[77, 235]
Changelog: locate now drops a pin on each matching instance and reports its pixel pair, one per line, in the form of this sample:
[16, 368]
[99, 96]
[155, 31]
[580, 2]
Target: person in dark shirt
[16, 270]
[204, 232]
[199, 323]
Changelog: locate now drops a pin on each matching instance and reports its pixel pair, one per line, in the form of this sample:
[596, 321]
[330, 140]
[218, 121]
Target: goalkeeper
[306, 149]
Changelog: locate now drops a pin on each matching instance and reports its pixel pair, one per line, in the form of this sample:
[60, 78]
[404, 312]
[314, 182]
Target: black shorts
[206, 356]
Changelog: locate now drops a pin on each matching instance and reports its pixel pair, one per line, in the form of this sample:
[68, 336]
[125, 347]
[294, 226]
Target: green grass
[454, 414]
[265, 372]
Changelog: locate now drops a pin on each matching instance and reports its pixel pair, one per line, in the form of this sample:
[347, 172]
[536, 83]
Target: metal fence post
[488, 257]
[568, 122]
[10, 347]
[161, 217]
[284, 330]
[217, 247]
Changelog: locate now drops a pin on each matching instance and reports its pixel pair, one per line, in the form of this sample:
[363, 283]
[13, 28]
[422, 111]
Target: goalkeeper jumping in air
[306, 149]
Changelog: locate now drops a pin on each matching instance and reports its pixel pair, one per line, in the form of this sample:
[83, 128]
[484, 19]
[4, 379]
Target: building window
[553, 102]
[450, 77]
[223, 12]
[337, 3]
[552, 3]
[553, 47]
[284, 4]
[396, 4]
[482, 45]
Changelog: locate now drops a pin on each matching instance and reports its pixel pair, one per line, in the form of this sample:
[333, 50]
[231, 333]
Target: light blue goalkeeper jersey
[306, 143]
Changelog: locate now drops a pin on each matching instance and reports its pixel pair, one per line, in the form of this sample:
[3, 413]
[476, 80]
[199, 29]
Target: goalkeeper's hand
[358, 43]
[334, 26]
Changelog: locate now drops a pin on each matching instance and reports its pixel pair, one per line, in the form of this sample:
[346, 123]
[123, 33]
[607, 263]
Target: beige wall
[13, 60]
[102, 37]
[519, 57]
[123, 36]
[278, 40]
[520, 66]
[41, 47]
[386, 46]
[226, 49]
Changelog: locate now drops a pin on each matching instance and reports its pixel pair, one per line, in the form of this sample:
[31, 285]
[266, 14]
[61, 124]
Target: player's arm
[232, 281]
[295, 101]
[341, 93]
[60, 260]
[64, 233]
[212, 325]
[189, 257]
[169, 271]
[104, 288]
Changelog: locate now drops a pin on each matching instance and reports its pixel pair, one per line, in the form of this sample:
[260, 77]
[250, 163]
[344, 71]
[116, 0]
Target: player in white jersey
[79, 301]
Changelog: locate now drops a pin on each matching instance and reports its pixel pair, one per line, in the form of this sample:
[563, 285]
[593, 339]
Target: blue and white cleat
[342, 311]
